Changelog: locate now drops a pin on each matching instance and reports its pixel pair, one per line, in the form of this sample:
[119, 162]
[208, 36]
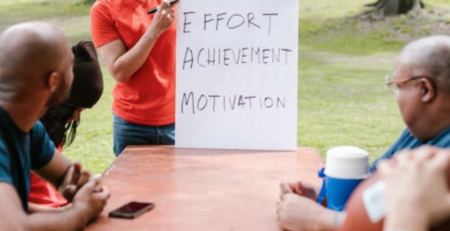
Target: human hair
[433, 54]
[85, 91]
[59, 124]
[439, 65]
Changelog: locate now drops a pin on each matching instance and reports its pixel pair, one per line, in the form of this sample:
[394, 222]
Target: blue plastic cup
[346, 167]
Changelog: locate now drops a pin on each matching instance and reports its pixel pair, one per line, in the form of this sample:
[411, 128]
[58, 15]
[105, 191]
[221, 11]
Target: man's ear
[53, 81]
[428, 90]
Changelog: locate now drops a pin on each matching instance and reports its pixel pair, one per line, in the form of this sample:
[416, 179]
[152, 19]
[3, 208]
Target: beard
[60, 95]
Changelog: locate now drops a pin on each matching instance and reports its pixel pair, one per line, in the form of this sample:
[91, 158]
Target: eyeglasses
[394, 84]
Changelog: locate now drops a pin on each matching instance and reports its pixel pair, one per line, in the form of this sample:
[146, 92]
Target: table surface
[203, 189]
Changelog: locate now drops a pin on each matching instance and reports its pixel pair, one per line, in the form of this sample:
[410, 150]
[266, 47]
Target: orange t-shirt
[43, 193]
[148, 97]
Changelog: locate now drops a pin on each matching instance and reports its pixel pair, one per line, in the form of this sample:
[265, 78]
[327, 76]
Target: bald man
[35, 74]
[421, 83]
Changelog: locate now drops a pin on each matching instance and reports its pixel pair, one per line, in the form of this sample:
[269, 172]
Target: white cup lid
[347, 162]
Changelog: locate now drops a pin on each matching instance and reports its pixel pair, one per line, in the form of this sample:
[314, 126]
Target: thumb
[164, 4]
[74, 173]
[69, 191]
[77, 167]
[299, 188]
[90, 186]
[285, 188]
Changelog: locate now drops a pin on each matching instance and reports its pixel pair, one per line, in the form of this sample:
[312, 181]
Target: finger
[97, 176]
[404, 157]
[103, 194]
[74, 171]
[172, 5]
[69, 191]
[441, 161]
[425, 153]
[83, 179]
[89, 187]
[385, 168]
[170, 14]
[300, 188]
[164, 5]
[99, 187]
[285, 188]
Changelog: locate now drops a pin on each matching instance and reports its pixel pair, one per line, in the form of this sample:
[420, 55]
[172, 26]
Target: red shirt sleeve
[103, 30]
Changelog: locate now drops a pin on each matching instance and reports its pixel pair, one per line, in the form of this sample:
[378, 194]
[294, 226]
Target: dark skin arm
[64, 175]
[87, 204]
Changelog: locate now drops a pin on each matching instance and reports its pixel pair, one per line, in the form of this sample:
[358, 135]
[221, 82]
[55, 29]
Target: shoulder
[100, 7]
[38, 130]
[41, 147]
[406, 140]
[442, 139]
[101, 10]
[101, 4]
[406, 134]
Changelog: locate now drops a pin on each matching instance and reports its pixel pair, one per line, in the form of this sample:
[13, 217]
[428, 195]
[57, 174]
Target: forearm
[55, 171]
[73, 218]
[330, 221]
[132, 60]
[405, 221]
[37, 208]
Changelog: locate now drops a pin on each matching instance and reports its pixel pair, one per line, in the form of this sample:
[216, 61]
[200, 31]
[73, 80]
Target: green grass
[344, 101]
[342, 96]
[342, 63]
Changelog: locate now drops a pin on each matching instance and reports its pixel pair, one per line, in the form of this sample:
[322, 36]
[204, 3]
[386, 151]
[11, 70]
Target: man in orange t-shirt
[139, 51]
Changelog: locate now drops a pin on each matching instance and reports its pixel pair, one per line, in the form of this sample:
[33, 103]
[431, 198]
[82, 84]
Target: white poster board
[237, 67]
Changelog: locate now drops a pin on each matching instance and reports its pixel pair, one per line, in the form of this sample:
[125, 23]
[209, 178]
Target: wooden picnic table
[203, 189]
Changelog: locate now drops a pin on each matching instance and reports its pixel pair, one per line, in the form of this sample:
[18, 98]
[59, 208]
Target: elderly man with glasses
[421, 83]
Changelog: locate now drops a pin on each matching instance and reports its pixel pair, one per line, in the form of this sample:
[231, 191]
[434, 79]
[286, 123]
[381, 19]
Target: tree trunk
[374, 4]
[396, 7]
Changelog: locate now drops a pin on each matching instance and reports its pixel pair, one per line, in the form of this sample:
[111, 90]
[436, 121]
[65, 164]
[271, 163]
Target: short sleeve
[103, 30]
[5, 167]
[42, 148]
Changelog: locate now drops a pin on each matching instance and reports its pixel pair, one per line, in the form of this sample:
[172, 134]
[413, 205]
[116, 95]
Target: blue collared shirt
[408, 141]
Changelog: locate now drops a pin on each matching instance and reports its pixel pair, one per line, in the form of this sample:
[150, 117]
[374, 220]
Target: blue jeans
[126, 133]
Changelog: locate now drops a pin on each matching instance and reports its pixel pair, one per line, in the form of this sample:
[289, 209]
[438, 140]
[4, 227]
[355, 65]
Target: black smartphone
[154, 9]
[131, 209]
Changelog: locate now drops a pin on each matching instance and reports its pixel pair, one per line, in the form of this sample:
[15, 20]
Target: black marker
[154, 9]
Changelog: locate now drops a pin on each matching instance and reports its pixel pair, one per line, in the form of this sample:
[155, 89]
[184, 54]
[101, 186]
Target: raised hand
[163, 18]
[74, 179]
[91, 198]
